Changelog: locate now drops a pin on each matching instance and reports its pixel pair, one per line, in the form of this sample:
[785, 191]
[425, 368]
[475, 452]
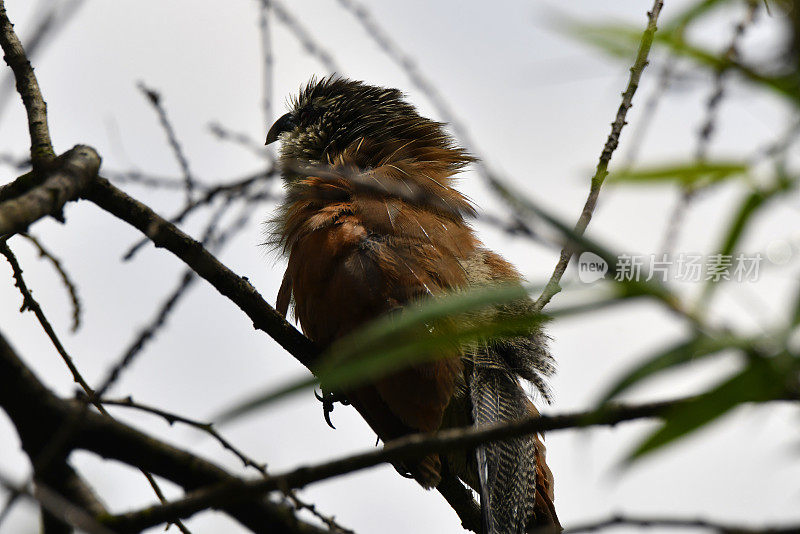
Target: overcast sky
[538, 105]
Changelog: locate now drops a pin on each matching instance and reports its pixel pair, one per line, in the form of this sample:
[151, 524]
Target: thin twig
[155, 99]
[30, 304]
[65, 278]
[146, 180]
[267, 60]
[147, 333]
[225, 134]
[706, 131]
[212, 238]
[47, 26]
[306, 38]
[236, 288]
[51, 451]
[247, 461]
[553, 285]
[172, 418]
[237, 187]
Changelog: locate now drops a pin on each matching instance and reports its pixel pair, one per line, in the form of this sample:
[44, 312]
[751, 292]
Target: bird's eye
[306, 115]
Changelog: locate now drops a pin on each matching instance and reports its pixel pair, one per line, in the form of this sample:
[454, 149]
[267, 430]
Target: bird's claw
[328, 399]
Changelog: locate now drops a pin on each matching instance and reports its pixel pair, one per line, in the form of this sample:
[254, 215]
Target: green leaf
[676, 355]
[697, 174]
[759, 381]
[691, 14]
[622, 41]
[398, 340]
[395, 340]
[796, 310]
[751, 204]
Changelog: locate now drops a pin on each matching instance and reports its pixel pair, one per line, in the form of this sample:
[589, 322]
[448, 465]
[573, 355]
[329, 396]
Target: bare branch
[267, 61]
[65, 278]
[553, 285]
[237, 187]
[225, 134]
[42, 463]
[42, 153]
[706, 131]
[408, 447]
[29, 303]
[306, 38]
[247, 461]
[237, 289]
[24, 201]
[26, 400]
[155, 99]
[58, 506]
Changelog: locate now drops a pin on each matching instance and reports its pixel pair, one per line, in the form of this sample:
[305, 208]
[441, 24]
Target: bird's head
[333, 114]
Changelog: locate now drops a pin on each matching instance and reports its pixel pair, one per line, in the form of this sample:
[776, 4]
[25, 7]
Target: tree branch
[553, 285]
[408, 447]
[236, 288]
[34, 410]
[59, 507]
[22, 205]
[69, 285]
[46, 460]
[247, 461]
[154, 97]
[42, 154]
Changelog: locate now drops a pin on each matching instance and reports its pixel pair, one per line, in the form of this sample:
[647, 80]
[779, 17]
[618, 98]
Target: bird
[372, 222]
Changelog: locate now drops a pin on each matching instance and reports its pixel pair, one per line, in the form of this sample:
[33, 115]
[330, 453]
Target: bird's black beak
[283, 124]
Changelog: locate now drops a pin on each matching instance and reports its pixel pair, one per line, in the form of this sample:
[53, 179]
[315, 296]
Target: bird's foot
[328, 399]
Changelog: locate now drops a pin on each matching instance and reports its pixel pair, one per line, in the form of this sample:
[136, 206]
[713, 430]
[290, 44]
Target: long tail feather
[507, 469]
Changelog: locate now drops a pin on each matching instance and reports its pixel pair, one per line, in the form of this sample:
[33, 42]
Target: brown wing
[359, 247]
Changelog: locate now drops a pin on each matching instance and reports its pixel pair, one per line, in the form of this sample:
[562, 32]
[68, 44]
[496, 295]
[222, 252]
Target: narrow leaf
[759, 381]
[696, 174]
[688, 351]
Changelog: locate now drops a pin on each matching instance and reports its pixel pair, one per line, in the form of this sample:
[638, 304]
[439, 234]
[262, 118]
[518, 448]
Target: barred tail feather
[506, 469]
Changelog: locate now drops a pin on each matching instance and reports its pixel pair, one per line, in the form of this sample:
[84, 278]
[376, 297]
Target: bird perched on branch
[371, 223]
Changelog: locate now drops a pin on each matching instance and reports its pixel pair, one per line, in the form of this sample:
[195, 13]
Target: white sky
[538, 105]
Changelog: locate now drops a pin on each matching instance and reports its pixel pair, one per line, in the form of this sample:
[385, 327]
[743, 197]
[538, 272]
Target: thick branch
[76, 171]
[28, 88]
[35, 411]
[601, 172]
[413, 446]
[60, 513]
